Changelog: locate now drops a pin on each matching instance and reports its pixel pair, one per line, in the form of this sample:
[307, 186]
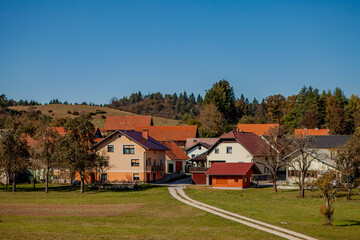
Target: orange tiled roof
[127, 122]
[312, 132]
[258, 129]
[97, 140]
[175, 153]
[171, 133]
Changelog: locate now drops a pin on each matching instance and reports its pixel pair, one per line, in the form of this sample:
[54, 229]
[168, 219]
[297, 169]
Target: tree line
[31, 143]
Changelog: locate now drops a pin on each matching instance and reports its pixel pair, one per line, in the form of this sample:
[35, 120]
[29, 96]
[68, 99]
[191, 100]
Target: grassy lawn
[61, 111]
[146, 213]
[285, 209]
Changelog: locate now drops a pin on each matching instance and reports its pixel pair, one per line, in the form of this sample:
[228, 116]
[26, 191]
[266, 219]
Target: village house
[113, 123]
[321, 151]
[232, 147]
[197, 146]
[175, 157]
[177, 134]
[312, 132]
[258, 129]
[132, 156]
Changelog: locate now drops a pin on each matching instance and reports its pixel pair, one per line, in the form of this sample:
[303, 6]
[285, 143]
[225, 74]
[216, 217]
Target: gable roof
[149, 144]
[171, 133]
[191, 142]
[232, 169]
[250, 141]
[329, 141]
[126, 122]
[312, 132]
[175, 152]
[258, 129]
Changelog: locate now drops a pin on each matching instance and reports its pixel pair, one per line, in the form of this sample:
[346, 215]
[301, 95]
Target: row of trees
[30, 143]
[310, 108]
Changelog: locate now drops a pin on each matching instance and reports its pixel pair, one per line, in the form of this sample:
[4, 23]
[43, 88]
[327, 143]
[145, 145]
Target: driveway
[177, 191]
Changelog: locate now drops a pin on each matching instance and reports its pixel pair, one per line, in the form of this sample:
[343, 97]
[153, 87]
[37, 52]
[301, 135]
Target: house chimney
[145, 133]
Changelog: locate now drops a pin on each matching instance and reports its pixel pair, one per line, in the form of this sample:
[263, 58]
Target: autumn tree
[352, 114]
[275, 108]
[325, 183]
[211, 121]
[14, 151]
[76, 147]
[335, 115]
[274, 149]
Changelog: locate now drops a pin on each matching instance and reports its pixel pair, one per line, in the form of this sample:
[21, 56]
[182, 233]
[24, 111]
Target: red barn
[232, 174]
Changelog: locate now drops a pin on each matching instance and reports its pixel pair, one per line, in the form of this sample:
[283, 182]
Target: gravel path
[179, 194]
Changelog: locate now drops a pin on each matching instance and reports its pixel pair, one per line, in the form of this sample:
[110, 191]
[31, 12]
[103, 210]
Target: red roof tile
[126, 122]
[312, 132]
[232, 169]
[171, 133]
[175, 153]
[258, 129]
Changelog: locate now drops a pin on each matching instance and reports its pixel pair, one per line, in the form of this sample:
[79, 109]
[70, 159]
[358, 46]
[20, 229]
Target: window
[103, 177]
[236, 180]
[161, 173]
[110, 148]
[192, 155]
[195, 142]
[161, 162]
[135, 162]
[216, 151]
[199, 147]
[154, 151]
[245, 179]
[154, 162]
[129, 149]
[136, 176]
[229, 150]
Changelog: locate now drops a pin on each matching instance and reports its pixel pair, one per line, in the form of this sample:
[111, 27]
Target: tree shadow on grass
[349, 223]
[73, 188]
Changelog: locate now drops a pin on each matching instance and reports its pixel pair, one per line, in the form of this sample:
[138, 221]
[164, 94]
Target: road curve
[179, 194]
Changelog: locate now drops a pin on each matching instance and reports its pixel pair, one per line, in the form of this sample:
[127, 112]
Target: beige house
[132, 156]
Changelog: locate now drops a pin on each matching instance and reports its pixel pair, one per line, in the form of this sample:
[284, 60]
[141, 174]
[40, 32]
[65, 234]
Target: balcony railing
[198, 169]
[155, 168]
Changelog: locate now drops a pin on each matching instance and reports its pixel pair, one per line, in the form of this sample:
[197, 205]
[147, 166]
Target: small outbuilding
[231, 174]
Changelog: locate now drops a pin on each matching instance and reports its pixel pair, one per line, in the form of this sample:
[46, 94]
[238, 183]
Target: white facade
[195, 151]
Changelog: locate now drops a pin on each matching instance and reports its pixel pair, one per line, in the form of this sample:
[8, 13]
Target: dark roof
[232, 169]
[207, 146]
[200, 157]
[150, 143]
[248, 140]
[330, 141]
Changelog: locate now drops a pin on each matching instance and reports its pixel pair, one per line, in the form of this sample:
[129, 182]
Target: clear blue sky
[95, 50]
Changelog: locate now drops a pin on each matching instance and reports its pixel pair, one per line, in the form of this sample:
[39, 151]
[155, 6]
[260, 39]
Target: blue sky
[94, 50]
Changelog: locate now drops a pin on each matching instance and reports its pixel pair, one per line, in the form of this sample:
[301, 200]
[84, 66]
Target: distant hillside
[64, 111]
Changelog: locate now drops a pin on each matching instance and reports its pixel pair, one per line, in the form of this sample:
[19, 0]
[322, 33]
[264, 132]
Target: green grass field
[147, 213]
[285, 209]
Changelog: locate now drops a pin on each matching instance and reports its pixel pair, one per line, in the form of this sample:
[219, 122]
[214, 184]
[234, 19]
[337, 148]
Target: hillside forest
[220, 110]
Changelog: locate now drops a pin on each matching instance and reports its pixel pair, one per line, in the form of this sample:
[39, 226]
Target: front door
[148, 177]
[154, 177]
[171, 168]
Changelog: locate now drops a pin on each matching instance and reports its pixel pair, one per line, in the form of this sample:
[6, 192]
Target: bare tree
[101, 164]
[273, 151]
[44, 149]
[348, 162]
[325, 183]
[301, 159]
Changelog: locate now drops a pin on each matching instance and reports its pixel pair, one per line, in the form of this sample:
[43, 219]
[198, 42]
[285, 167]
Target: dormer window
[216, 151]
[199, 147]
